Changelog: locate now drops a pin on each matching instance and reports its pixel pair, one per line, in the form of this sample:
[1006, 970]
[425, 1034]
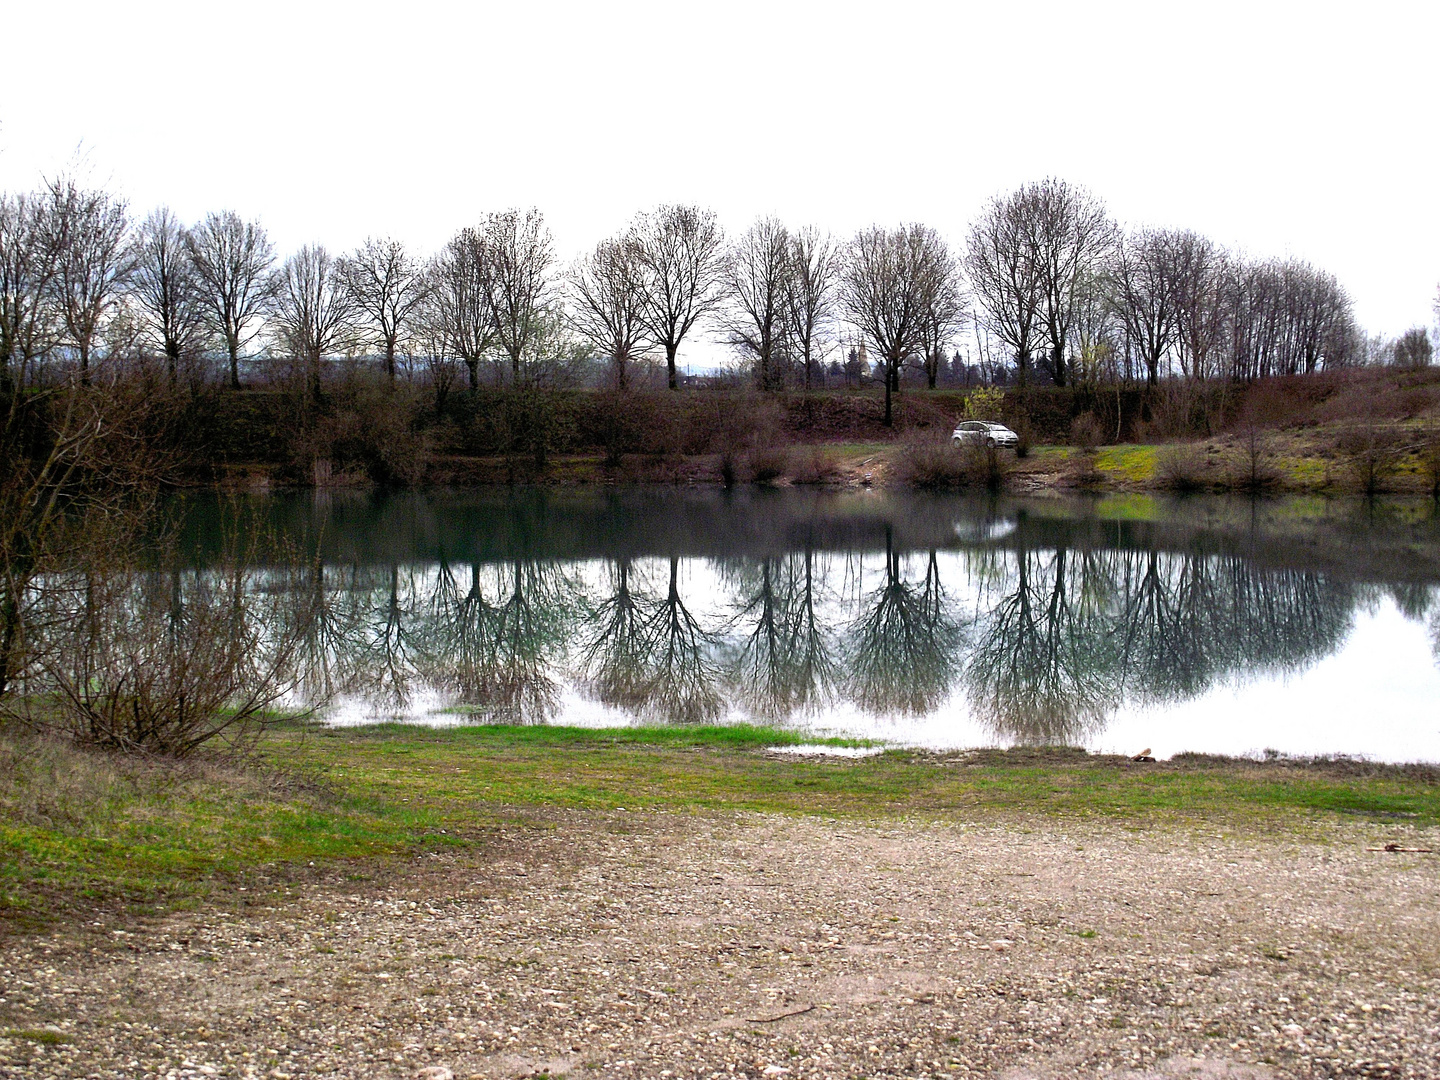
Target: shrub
[1085, 432]
[768, 463]
[985, 403]
[936, 464]
[1430, 465]
[626, 422]
[372, 431]
[1256, 472]
[812, 465]
[150, 663]
[1181, 468]
[1373, 457]
[1022, 429]
[1084, 472]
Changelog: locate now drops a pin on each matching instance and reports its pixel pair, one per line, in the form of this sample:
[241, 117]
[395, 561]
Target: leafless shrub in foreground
[155, 663]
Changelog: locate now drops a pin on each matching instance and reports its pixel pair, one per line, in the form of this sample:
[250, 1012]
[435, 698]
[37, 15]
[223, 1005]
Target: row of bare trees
[1061, 286]
[1047, 285]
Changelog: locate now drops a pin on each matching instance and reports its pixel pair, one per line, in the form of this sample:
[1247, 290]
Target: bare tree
[95, 261]
[1201, 313]
[1412, 350]
[232, 259]
[1006, 277]
[1285, 318]
[680, 248]
[884, 289]
[810, 295]
[607, 292]
[756, 275]
[167, 289]
[1098, 333]
[458, 303]
[386, 285]
[518, 257]
[1071, 235]
[1319, 315]
[29, 264]
[1147, 281]
[314, 312]
[944, 312]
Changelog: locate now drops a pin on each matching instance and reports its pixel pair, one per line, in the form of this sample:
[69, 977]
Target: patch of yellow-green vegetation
[171, 833]
[1301, 471]
[1132, 506]
[1047, 452]
[1302, 508]
[1132, 463]
[39, 1035]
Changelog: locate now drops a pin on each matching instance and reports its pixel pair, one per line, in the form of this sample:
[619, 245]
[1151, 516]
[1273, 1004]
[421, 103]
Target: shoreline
[1291, 466]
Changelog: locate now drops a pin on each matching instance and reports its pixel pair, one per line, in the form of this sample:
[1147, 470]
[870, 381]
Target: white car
[984, 433]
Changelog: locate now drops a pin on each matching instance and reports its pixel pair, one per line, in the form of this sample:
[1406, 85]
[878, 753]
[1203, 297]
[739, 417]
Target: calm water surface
[1221, 625]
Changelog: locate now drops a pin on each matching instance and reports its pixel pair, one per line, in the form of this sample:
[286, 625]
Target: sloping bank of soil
[681, 945]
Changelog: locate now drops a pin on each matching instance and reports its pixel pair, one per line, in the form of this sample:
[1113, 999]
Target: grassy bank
[79, 829]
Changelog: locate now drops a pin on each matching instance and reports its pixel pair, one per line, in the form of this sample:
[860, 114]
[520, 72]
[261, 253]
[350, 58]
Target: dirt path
[631, 945]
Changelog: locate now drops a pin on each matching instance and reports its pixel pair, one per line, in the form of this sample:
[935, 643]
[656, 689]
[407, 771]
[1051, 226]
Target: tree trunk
[315, 376]
[234, 347]
[1057, 360]
[888, 415]
[474, 366]
[670, 365]
[9, 641]
[390, 361]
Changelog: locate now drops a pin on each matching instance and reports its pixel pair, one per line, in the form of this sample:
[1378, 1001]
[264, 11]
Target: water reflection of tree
[1061, 636]
[784, 663]
[615, 656]
[1068, 642]
[683, 675]
[1041, 670]
[649, 654]
[384, 663]
[905, 644]
[492, 644]
[330, 623]
[1169, 621]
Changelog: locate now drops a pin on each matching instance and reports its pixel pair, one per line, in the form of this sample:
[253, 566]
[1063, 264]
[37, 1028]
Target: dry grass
[937, 464]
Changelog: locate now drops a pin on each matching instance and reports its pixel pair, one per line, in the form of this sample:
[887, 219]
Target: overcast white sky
[1279, 128]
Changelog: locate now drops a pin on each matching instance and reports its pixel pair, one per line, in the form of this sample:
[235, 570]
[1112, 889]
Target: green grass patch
[1133, 463]
[78, 829]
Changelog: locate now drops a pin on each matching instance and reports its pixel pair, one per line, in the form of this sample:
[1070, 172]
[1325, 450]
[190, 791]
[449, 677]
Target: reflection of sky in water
[1114, 650]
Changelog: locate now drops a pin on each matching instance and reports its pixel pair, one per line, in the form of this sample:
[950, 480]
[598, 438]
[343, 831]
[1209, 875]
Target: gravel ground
[674, 945]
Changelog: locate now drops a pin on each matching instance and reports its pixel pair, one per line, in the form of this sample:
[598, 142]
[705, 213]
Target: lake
[1221, 625]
